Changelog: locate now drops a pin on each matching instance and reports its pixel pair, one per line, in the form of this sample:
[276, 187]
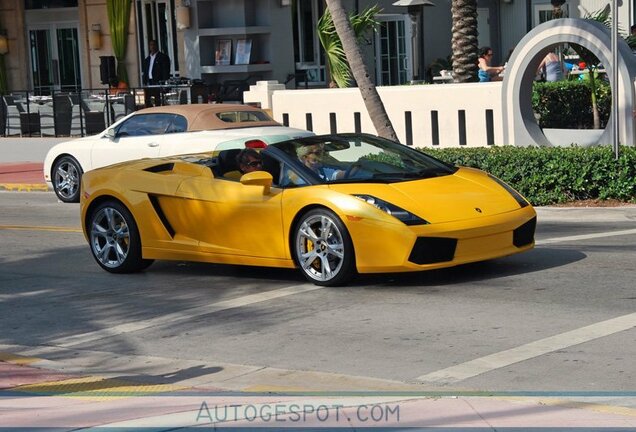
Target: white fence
[444, 115]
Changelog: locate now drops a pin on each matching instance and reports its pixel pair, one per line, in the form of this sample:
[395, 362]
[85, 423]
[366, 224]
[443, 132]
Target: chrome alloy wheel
[67, 179]
[110, 237]
[320, 247]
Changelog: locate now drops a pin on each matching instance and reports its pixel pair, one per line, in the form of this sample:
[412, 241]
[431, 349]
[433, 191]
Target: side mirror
[110, 133]
[258, 178]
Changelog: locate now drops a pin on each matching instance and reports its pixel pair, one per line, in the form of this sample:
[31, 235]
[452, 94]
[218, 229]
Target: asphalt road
[558, 318]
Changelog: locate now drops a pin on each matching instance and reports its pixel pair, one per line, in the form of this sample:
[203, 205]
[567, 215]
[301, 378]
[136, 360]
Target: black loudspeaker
[107, 69]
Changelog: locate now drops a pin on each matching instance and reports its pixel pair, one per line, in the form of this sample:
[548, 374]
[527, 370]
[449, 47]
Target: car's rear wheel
[114, 239]
[323, 249]
[66, 176]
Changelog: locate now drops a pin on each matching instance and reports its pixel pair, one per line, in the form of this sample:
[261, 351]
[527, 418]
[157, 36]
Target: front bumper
[400, 248]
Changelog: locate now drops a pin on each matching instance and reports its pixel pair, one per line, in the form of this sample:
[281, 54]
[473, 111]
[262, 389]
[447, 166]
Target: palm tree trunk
[595, 114]
[369, 93]
[464, 40]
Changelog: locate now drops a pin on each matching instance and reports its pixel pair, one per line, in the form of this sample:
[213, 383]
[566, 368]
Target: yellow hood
[467, 194]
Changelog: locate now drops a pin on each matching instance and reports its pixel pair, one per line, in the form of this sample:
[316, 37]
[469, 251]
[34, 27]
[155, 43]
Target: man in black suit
[155, 70]
[156, 67]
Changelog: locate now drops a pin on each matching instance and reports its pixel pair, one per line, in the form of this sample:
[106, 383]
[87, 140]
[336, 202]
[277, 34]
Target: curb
[24, 187]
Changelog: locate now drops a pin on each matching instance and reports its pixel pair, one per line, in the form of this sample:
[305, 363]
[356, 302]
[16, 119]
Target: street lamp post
[614, 79]
[415, 10]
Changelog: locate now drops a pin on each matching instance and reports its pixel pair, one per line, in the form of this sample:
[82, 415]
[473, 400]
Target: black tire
[66, 177]
[114, 239]
[322, 248]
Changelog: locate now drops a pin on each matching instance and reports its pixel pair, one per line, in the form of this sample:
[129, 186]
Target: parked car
[156, 132]
[382, 207]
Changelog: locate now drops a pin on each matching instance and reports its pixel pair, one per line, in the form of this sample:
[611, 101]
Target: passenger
[249, 160]
[312, 156]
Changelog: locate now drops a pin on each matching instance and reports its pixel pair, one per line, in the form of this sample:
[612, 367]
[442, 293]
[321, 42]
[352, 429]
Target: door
[156, 22]
[230, 218]
[140, 136]
[54, 56]
[308, 53]
[394, 50]
[483, 27]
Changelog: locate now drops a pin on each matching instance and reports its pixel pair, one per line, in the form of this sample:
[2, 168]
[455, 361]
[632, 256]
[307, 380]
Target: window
[146, 124]
[49, 4]
[310, 59]
[243, 116]
[543, 12]
[179, 124]
[156, 21]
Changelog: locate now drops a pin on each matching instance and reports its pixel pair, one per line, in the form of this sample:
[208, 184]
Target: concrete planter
[568, 137]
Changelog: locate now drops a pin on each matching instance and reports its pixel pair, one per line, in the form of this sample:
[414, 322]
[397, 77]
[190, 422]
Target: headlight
[399, 213]
[516, 195]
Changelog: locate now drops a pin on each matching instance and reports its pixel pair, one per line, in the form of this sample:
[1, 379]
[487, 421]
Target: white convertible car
[157, 132]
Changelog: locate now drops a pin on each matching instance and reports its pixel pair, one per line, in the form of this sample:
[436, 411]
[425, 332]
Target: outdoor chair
[12, 115]
[47, 120]
[62, 106]
[29, 123]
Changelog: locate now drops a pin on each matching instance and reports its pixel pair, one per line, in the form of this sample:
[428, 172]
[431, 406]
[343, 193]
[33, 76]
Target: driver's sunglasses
[254, 163]
[316, 152]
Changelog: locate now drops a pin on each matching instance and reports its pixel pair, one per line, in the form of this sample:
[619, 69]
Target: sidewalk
[22, 176]
[21, 162]
[37, 393]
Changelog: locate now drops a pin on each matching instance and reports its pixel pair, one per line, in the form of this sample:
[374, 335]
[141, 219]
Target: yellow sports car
[330, 205]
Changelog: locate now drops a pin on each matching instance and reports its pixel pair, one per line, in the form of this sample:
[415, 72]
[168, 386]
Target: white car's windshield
[355, 158]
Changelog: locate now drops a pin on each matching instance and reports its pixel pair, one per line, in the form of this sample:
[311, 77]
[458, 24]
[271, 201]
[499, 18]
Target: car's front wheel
[323, 249]
[114, 239]
[66, 176]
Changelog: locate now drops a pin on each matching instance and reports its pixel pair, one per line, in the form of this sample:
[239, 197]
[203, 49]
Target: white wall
[420, 100]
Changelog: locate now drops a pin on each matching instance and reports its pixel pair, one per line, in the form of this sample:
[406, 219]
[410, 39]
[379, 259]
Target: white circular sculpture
[520, 126]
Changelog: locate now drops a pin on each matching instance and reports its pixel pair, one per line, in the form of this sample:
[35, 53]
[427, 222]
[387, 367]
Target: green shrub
[567, 104]
[551, 175]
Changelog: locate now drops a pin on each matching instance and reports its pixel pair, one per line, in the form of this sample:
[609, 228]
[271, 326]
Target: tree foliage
[368, 91]
[361, 23]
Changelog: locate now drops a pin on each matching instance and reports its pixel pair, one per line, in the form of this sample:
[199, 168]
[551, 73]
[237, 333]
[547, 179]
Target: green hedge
[551, 175]
[567, 104]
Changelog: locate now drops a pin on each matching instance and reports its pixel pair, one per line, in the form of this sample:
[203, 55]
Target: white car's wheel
[323, 249]
[66, 177]
[114, 239]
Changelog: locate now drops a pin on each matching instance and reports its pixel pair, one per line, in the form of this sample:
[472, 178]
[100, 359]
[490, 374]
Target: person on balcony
[117, 87]
[551, 68]
[156, 67]
[487, 72]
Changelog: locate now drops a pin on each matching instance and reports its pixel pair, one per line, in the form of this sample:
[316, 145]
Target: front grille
[430, 250]
[524, 235]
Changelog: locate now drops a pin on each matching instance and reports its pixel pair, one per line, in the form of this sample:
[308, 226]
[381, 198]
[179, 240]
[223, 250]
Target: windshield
[357, 158]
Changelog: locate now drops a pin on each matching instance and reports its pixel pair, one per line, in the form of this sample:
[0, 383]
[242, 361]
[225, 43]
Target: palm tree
[369, 93]
[602, 16]
[337, 65]
[464, 42]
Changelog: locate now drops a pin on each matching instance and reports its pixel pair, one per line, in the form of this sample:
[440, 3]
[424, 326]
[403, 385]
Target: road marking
[530, 350]
[184, 315]
[40, 228]
[585, 237]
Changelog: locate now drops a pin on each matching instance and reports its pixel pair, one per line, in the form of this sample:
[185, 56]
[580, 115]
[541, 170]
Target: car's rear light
[255, 144]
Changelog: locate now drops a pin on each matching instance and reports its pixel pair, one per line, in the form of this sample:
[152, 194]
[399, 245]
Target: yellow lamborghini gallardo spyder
[329, 205]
